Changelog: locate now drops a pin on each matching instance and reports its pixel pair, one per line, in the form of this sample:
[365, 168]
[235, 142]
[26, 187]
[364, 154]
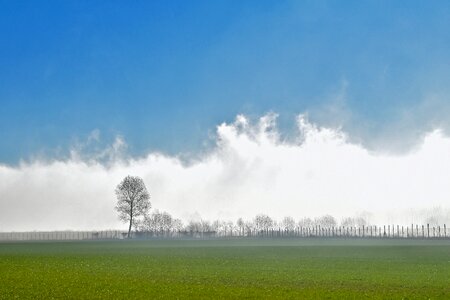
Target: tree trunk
[129, 228]
[131, 219]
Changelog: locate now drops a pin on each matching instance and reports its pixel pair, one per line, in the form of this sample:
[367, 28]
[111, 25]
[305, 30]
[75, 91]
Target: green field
[233, 268]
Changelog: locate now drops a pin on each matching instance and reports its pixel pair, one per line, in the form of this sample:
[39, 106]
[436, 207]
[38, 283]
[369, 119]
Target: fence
[61, 235]
[385, 231]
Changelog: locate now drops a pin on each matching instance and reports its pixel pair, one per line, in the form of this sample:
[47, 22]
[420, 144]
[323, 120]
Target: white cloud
[250, 171]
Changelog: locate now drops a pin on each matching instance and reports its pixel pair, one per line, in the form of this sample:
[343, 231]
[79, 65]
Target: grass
[234, 268]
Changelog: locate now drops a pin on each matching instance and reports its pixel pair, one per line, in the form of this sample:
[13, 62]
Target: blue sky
[163, 74]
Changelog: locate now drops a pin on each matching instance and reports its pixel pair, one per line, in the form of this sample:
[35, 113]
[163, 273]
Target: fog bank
[251, 170]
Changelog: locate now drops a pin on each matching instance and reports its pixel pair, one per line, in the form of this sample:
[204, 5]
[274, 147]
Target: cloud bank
[251, 170]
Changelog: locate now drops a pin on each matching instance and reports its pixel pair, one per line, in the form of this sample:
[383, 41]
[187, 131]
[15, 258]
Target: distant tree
[249, 226]
[305, 222]
[132, 200]
[177, 224]
[150, 222]
[348, 222]
[217, 226]
[166, 221]
[326, 221]
[193, 226]
[241, 225]
[158, 222]
[288, 223]
[229, 227]
[354, 222]
[263, 222]
[205, 226]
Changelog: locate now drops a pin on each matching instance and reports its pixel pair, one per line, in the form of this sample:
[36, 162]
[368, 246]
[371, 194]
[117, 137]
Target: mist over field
[251, 170]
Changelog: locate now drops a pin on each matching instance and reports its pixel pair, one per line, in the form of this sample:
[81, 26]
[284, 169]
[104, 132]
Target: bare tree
[354, 222]
[194, 226]
[348, 222]
[288, 223]
[158, 222]
[218, 226]
[132, 200]
[177, 224]
[205, 226]
[241, 225]
[305, 222]
[263, 222]
[326, 221]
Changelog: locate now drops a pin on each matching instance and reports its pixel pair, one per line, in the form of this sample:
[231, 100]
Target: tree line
[160, 221]
[133, 206]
